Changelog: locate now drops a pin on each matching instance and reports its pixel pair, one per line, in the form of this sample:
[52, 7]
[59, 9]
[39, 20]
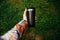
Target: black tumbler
[31, 16]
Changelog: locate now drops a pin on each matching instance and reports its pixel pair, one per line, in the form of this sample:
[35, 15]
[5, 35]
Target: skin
[19, 27]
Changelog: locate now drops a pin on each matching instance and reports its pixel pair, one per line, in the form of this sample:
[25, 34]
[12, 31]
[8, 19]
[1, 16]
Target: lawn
[47, 12]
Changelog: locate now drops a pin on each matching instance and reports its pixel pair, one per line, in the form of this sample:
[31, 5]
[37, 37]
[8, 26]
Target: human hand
[24, 15]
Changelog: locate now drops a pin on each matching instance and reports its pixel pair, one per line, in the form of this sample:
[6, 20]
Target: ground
[47, 12]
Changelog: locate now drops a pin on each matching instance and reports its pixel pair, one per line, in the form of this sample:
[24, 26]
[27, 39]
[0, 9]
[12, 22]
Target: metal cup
[31, 17]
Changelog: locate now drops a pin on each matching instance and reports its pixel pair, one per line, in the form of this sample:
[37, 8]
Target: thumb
[24, 15]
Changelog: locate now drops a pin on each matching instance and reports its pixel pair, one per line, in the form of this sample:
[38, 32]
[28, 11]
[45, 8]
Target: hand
[24, 15]
[35, 19]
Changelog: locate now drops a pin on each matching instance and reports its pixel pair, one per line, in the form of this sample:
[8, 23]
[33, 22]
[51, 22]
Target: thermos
[31, 16]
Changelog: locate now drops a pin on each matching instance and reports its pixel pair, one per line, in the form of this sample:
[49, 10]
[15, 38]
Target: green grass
[47, 13]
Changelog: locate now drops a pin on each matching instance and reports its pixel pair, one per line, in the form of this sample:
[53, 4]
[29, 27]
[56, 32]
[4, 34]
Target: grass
[47, 13]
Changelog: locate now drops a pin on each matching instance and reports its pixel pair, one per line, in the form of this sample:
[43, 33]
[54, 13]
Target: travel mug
[31, 16]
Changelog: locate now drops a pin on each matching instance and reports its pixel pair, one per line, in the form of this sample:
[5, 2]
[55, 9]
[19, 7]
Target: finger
[25, 11]
[24, 15]
[35, 21]
[35, 18]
